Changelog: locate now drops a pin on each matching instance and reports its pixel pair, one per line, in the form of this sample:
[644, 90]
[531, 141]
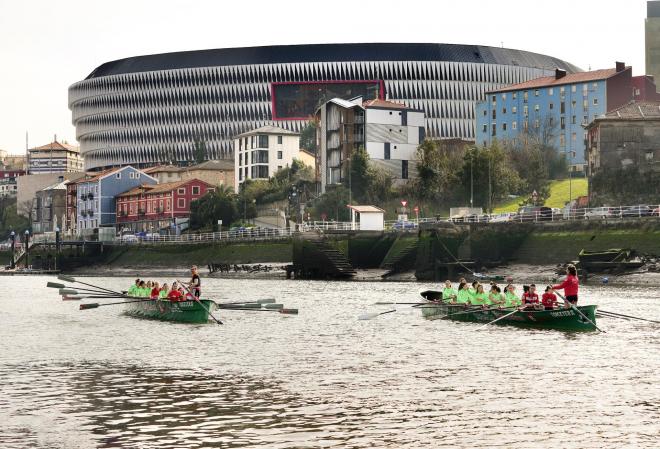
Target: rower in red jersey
[570, 285]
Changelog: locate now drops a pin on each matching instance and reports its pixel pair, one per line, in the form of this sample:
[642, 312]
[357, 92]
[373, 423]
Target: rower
[195, 283]
[463, 296]
[530, 298]
[155, 291]
[132, 290]
[473, 289]
[164, 290]
[481, 297]
[495, 296]
[549, 299]
[570, 285]
[512, 299]
[449, 293]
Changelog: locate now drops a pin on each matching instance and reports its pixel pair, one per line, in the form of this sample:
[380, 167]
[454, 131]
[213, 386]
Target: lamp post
[12, 236]
[57, 244]
[27, 248]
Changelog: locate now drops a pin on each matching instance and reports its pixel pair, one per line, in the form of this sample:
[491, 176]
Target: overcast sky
[47, 45]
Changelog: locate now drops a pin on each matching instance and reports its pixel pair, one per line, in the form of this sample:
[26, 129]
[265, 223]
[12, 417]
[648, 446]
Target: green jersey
[449, 294]
[511, 299]
[463, 296]
[162, 294]
[132, 290]
[481, 298]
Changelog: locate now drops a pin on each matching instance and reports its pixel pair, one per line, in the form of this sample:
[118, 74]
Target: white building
[372, 218]
[393, 133]
[261, 152]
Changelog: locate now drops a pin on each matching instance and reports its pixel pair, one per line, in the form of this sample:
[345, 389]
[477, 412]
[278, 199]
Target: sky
[46, 45]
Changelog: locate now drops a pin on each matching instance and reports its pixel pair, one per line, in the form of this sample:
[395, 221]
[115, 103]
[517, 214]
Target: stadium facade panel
[153, 109]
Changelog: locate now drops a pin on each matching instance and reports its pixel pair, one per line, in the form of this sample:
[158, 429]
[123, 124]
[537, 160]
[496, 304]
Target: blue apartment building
[555, 109]
[96, 205]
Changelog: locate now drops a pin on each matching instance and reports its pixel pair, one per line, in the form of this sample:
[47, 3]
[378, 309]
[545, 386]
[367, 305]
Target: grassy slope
[559, 194]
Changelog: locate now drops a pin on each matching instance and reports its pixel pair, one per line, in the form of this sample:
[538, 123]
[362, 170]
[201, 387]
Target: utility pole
[490, 186]
[472, 178]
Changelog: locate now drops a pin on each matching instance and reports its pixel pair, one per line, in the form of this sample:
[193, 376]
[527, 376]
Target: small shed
[372, 218]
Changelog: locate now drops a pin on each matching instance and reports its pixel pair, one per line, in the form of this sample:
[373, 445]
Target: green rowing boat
[165, 310]
[559, 319]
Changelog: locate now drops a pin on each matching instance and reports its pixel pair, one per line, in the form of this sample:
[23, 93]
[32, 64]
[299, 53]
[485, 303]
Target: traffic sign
[404, 203]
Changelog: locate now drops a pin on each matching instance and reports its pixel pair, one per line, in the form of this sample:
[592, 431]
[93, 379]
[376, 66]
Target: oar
[371, 316]
[238, 306]
[71, 279]
[282, 311]
[604, 315]
[577, 310]
[64, 287]
[258, 301]
[381, 303]
[95, 305]
[496, 320]
[199, 302]
[627, 316]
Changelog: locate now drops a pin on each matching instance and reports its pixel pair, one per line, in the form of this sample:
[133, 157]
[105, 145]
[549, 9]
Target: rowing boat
[559, 319]
[165, 310]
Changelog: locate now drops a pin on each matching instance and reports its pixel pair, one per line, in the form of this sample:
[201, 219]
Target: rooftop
[267, 129]
[57, 146]
[365, 209]
[162, 169]
[377, 103]
[159, 188]
[634, 111]
[220, 164]
[569, 78]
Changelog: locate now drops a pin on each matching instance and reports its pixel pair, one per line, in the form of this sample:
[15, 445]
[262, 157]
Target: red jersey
[175, 295]
[155, 292]
[530, 298]
[548, 299]
[570, 285]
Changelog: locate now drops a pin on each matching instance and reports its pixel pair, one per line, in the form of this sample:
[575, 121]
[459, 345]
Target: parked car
[656, 212]
[129, 238]
[403, 225]
[600, 213]
[636, 211]
[501, 218]
[534, 213]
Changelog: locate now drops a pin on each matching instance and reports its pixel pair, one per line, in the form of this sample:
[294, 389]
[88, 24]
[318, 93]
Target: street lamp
[57, 244]
[27, 248]
[12, 236]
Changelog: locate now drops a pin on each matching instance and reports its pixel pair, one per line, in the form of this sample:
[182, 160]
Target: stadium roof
[330, 52]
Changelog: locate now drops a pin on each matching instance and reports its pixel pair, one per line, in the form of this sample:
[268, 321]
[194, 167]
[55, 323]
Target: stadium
[152, 109]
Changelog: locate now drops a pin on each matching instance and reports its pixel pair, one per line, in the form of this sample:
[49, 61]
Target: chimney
[620, 66]
[60, 179]
[559, 73]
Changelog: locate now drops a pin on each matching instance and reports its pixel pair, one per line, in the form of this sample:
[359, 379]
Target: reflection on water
[74, 379]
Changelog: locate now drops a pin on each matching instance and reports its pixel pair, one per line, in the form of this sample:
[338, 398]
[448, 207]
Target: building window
[562, 122]
[525, 96]
[504, 96]
[118, 175]
[573, 103]
[195, 190]
[551, 121]
[573, 120]
[514, 125]
[514, 95]
[279, 167]
[514, 109]
[595, 101]
[279, 140]
[494, 130]
[181, 203]
[181, 190]
[562, 108]
[536, 92]
[573, 137]
[585, 104]
[649, 156]
[279, 155]
[525, 110]
[404, 169]
[537, 107]
[595, 85]
[536, 124]
[503, 110]
[503, 126]
[167, 205]
[386, 152]
[263, 141]
[485, 112]
[585, 119]
[484, 128]
[562, 140]
[494, 114]
[240, 174]
[573, 88]
[551, 106]
[493, 98]
[240, 144]
[551, 91]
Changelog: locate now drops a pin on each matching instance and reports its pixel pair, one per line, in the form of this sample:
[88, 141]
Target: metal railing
[245, 234]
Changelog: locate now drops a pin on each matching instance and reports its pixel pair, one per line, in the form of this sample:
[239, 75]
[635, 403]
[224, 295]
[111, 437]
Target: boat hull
[165, 310]
[560, 319]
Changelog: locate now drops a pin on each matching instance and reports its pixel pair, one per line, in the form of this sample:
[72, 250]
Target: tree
[438, 170]
[333, 203]
[200, 151]
[492, 175]
[308, 136]
[9, 218]
[217, 205]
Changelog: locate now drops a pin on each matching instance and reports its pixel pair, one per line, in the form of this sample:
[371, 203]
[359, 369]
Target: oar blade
[71, 298]
[289, 311]
[55, 285]
[273, 306]
[368, 316]
[62, 277]
[266, 301]
[89, 306]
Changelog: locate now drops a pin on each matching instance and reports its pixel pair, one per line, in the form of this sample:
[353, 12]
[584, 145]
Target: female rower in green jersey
[449, 293]
[510, 296]
[481, 297]
[473, 289]
[495, 296]
[463, 296]
[164, 290]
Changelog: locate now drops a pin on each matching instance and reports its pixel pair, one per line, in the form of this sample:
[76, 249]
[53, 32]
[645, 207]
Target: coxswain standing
[195, 284]
[570, 285]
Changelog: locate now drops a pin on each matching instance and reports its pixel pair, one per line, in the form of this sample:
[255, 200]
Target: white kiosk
[372, 218]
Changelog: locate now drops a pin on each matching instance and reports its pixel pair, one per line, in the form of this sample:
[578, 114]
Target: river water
[96, 378]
